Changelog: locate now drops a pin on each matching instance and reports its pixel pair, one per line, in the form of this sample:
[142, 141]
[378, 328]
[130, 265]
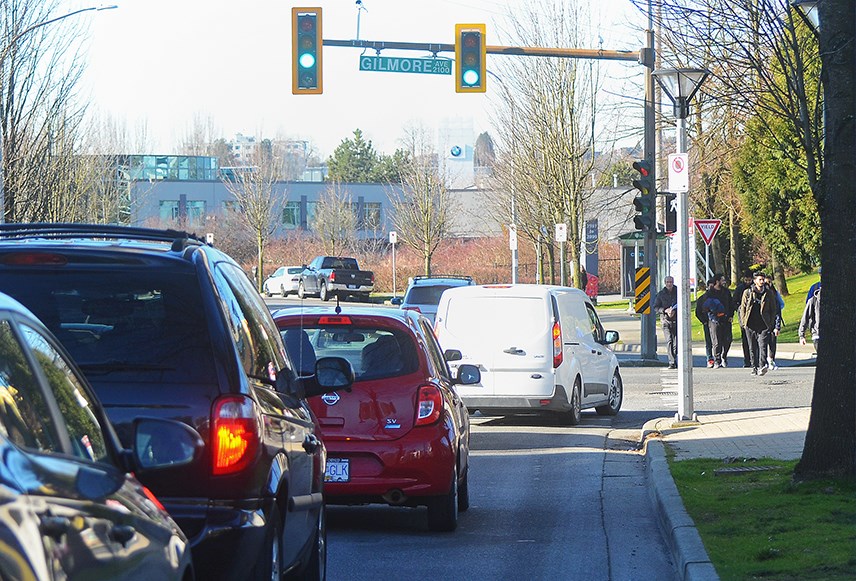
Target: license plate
[338, 470]
[353, 286]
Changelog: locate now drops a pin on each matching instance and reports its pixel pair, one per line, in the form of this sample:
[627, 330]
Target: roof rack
[57, 230]
[454, 276]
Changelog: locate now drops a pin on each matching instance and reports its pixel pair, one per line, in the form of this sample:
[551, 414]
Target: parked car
[401, 434]
[330, 276]
[69, 506]
[423, 292]
[540, 348]
[284, 281]
[166, 326]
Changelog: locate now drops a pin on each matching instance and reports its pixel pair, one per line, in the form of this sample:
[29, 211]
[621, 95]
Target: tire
[443, 510]
[572, 416]
[464, 493]
[269, 567]
[322, 292]
[616, 397]
[315, 568]
[301, 292]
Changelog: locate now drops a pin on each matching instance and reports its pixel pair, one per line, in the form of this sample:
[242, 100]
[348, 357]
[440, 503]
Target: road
[551, 502]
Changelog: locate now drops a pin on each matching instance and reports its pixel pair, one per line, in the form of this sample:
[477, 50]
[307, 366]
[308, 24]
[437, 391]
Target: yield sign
[707, 229]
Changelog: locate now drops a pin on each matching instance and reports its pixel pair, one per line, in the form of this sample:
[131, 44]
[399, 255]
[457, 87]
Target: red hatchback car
[400, 434]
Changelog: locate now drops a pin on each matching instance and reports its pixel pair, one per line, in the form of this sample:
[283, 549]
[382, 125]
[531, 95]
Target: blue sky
[163, 61]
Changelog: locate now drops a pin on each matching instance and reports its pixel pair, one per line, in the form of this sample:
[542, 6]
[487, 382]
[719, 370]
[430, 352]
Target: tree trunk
[778, 275]
[736, 269]
[260, 249]
[830, 443]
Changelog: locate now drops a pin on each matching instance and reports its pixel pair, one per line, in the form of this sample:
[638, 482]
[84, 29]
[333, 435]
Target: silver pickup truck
[327, 276]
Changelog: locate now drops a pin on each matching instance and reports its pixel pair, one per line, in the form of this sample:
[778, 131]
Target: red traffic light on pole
[470, 58]
[306, 44]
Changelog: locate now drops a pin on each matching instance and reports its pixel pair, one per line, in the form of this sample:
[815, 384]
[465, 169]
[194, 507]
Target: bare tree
[423, 206]
[40, 66]
[545, 119]
[335, 222]
[258, 201]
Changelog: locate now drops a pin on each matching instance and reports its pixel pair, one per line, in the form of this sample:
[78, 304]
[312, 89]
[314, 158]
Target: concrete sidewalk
[771, 433]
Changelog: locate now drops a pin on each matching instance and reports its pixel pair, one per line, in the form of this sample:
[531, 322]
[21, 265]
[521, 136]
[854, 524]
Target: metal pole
[514, 257]
[649, 321]
[393, 269]
[685, 354]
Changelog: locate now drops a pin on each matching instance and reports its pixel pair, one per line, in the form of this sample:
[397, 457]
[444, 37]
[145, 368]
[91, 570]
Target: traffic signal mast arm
[618, 55]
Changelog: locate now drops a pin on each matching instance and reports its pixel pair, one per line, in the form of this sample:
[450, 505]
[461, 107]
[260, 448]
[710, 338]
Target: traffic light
[646, 219]
[671, 213]
[306, 43]
[470, 61]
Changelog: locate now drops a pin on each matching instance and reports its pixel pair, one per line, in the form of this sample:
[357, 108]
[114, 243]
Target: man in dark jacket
[745, 282]
[666, 303]
[759, 311]
[702, 318]
[717, 310]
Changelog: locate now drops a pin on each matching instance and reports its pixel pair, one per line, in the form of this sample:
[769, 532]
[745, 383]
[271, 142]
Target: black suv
[165, 326]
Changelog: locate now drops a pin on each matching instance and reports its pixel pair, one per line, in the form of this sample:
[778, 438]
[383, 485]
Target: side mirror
[610, 337]
[331, 373]
[396, 301]
[453, 355]
[159, 443]
[468, 374]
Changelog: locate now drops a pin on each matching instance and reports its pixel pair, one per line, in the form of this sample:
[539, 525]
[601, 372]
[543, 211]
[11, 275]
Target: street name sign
[388, 64]
[707, 229]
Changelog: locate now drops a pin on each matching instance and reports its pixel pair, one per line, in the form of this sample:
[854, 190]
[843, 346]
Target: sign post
[561, 237]
[393, 238]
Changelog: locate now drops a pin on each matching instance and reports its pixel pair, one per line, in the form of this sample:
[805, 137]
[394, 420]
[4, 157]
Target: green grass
[763, 525]
[794, 304]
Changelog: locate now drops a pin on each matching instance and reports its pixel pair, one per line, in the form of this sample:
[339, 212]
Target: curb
[679, 531]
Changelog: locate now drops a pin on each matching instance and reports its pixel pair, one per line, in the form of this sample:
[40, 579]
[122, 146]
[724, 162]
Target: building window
[291, 215]
[232, 206]
[168, 210]
[371, 216]
[195, 212]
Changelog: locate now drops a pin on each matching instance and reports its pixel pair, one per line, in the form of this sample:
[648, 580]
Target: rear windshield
[341, 263]
[494, 317]
[130, 325]
[296, 270]
[426, 295]
[372, 352]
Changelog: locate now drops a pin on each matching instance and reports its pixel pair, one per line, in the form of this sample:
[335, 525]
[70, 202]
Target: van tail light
[235, 434]
[429, 406]
[558, 353]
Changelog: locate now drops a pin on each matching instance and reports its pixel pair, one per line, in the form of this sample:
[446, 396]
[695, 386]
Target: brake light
[333, 276]
[558, 354]
[372, 278]
[429, 406]
[35, 259]
[234, 434]
[334, 320]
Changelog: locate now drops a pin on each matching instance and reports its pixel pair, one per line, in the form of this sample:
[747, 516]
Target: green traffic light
[471, 77]
[307, 60]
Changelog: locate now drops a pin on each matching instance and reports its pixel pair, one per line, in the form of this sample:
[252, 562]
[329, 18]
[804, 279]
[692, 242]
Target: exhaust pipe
[394, 497]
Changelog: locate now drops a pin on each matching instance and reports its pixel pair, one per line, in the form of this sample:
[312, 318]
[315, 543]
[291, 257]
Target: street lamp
[512, 234]
[8, 46]
[681, 86]
[807, 9]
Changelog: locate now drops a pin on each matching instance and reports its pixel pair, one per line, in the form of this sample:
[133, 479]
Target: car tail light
[334, 320]
[333, 276]
[429, 406]
[372, 278]
[558, 354]
[148, 494]
[35, 259]
[234, 434]
[417, 309]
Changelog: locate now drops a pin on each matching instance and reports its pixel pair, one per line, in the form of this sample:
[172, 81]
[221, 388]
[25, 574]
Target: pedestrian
[812, 288]
[702, 318]
[717, 307]
[774, 338]
[745, 282]
[811, 320]
[666, 303]
[730, 307]
[758, 312]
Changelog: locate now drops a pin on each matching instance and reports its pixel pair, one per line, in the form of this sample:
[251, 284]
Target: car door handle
[311, 443]
[514, 351]
[122, 534]
[54, 526]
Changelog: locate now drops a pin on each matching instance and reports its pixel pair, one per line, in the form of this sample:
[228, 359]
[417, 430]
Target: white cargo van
[540, 348]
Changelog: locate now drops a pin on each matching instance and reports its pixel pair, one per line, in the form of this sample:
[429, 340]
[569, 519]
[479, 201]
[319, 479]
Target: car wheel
[464, 493]
[316, 567]
[269, 567]
[443, 510]
[322, 292]
[301, 292]
[573, 415]
[616, 397]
